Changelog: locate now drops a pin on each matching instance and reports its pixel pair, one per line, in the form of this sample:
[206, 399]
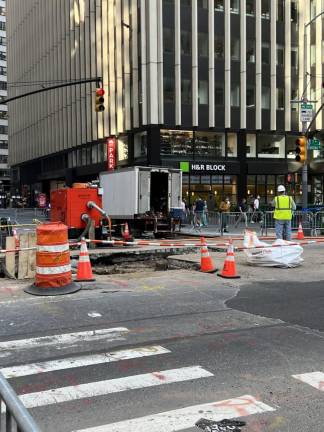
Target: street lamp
[304, 123]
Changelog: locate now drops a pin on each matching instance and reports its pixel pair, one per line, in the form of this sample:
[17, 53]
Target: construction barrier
[53, 267]
[306, 218]
[231, 221]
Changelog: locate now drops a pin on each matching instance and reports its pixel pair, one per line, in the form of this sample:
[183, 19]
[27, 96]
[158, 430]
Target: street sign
[314, 144]
[306, 112]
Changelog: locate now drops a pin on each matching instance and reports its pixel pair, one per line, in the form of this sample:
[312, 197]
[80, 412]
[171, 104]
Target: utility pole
[304, 123]
[304, 128]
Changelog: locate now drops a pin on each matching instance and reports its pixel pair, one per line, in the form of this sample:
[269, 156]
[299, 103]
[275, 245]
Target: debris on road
[224, 425]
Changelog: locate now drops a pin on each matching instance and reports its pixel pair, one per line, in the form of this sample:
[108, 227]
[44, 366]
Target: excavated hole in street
[139, 263]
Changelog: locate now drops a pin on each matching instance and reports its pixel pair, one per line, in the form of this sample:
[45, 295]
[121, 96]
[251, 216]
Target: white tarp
[262, 254]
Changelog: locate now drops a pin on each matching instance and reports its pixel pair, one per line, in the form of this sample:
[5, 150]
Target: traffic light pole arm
[97, 80]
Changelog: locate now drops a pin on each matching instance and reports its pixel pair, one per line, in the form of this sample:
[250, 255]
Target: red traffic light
[100, 92]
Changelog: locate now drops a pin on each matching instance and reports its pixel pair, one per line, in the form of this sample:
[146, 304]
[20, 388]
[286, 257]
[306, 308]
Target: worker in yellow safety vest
[284, 206]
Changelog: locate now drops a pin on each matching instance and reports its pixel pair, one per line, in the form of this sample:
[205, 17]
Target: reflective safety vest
[283, 207]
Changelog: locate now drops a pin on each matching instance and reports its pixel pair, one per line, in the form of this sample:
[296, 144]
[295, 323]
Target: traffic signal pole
[304, 123]
[304, 129]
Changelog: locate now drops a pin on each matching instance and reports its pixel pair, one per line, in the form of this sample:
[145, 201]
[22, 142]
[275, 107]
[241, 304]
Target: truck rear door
[175, 189]
[144, 185]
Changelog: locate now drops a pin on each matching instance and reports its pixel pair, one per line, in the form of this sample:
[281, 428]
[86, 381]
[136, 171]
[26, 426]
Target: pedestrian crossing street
[178, 419]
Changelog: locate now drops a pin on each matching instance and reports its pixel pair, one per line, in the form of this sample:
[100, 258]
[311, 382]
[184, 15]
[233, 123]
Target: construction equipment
[144, 197]
[80, 208]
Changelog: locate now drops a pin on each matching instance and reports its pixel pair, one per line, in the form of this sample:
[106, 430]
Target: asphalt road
[160, 352]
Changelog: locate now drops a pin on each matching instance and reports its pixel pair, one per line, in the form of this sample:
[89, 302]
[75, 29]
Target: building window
[185, 42]
[203, 4]
[210, 144]
[185, 2]
[235, 6]
[140, 145]
[3, 55]
[312, 9]
[186, 91]
[291, 146]
[203, 44]
[2, 25]
[265, 9]
[280, 98]
[265, 53]
[294, 57]
[3, 115]
[176, 142]
[250, 7]
[231, 145]
[3, 130]
[280, 10]
[219, 47]
[3, 85]
[250, 145]
[294, 12]
[280, 55]
[3, 144]
[122, 148]
[219, 5]
[219, 94]
[169, 89]
[294, 96]
[271, 146]
[250, 97]
[3, 70]
[265, 98]
[2, 11]
[250, 51]
[235, 48]
[203, 92]
[3, 41]
[168, 40]
[3, 159]
[235, 95]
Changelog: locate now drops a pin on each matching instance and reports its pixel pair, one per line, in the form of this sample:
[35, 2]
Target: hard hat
[281, 188]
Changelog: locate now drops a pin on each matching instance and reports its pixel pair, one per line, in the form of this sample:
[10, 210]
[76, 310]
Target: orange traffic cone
[126, 234]
[300, 233]
[84, 271]
[206, 263]
[229, 269]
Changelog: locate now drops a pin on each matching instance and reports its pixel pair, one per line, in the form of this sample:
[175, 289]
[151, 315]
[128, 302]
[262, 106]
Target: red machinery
[76, 207]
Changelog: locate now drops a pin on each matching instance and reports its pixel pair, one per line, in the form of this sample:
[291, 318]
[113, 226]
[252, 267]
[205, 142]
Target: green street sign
[314, 144]
[307, 106]
[184, 166]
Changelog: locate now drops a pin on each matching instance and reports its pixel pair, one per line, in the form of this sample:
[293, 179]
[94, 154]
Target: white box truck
[149, 198]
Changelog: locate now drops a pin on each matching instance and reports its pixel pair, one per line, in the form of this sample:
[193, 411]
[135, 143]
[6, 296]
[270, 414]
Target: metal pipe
[17, 410]
[92, 204]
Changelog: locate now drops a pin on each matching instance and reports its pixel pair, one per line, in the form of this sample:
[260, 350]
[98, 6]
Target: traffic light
[100, 100]
[301, 149]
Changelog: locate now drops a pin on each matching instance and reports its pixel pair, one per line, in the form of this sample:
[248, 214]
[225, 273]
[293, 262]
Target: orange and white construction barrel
[53, 265]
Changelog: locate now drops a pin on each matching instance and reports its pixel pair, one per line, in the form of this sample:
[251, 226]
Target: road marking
[66, 338]
[81, 361]
[314, 379]
[101, 388]
[185, 418]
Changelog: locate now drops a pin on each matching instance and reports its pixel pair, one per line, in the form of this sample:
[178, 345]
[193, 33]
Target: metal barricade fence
[306, 218]
[16, 418]
[235, 222]
[319, 223]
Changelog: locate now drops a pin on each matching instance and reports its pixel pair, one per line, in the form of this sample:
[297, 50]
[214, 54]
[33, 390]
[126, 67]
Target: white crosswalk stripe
[314, 379]
[177, 420]
[81, 361]
[101, 388]
[67, 339]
